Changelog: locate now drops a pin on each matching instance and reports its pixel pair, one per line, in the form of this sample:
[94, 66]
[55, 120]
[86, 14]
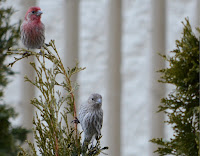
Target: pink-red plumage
[32, 29]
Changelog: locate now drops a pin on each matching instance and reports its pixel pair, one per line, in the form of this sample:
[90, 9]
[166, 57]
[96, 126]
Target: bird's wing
[86, 121]
[98, 122]
[83, 111]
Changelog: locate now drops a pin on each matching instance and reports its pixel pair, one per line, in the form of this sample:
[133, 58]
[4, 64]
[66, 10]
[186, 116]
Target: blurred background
[118, 42]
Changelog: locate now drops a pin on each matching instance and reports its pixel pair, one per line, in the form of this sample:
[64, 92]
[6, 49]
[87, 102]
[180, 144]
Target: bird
[91, 118]
[32, 29]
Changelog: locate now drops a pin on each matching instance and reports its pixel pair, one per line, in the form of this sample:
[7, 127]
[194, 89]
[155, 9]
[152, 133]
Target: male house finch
[32, 29]
[91, 117]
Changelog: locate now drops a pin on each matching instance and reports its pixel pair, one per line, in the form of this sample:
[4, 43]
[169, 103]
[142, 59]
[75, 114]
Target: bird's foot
[40, 53]
[76, 121]
[47, 44]
[98, 137]
[26, 54]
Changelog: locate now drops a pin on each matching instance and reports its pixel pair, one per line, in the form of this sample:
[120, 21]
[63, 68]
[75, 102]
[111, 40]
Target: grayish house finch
[32, 29]
[91, 117]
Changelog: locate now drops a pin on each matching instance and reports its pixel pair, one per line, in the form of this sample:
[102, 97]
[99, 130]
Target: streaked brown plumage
[91, 117]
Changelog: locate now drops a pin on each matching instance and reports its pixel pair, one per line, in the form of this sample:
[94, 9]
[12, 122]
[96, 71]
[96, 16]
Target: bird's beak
[99, 101]
[39, 12]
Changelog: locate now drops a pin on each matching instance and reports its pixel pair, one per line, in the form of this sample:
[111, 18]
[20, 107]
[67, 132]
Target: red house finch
[32, 29]
[91, 118]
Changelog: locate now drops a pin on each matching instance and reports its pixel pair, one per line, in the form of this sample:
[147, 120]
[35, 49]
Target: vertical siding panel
[71, 38]
[27, 90]
[157, 90]
[113, 118]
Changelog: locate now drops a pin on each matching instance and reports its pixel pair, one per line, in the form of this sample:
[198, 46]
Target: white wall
[136, 46]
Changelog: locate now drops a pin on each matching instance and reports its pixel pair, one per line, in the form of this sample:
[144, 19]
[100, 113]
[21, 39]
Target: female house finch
[32, 29]
[91, 118]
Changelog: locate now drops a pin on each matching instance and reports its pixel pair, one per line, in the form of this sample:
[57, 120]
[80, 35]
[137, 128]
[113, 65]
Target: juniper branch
[52, 138]
[45, 81]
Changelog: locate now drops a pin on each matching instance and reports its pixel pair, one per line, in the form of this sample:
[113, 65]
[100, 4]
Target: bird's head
[95, 100]
[33, 14]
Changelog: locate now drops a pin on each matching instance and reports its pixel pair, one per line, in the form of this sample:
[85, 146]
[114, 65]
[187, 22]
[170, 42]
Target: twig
[70, 89]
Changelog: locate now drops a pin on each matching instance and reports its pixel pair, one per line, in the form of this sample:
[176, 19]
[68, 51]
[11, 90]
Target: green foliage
[52, 131]
[9, 35]
[10, 137]
[182, 104]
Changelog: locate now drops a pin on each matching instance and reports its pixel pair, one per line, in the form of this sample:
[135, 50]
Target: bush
[182, 104]
[10, 137]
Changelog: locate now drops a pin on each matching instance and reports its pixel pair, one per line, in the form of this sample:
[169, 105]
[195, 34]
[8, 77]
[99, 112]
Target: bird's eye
[33, 12]
[92, 99]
